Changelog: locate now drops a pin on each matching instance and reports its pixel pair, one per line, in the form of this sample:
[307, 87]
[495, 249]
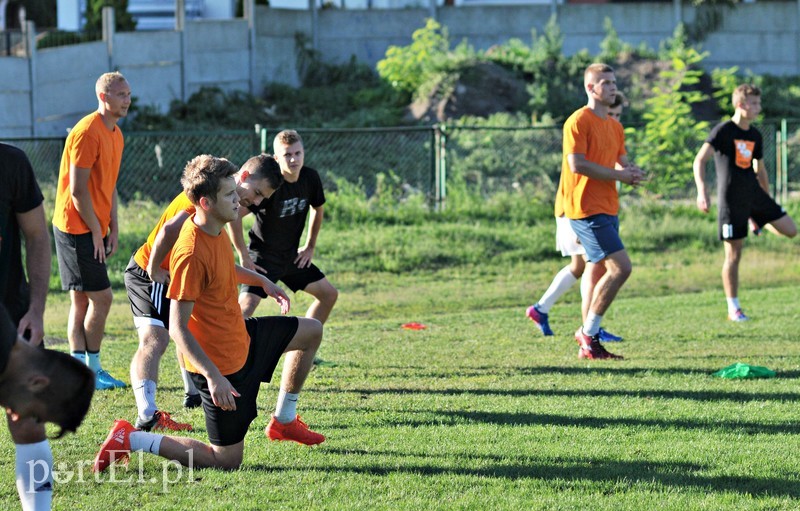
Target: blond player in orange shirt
[228, 356]
[594, 159]
[85, 224]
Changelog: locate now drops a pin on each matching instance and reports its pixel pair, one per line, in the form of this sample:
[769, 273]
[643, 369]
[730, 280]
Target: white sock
[79, 355]
[144, 441]
[563, 280]
[145, 393]
[188, 384]
[592, 324]
[286, 409]
[93, 360]
[35, 475]
[733, 304]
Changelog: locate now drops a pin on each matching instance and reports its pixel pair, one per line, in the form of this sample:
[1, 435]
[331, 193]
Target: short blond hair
[105, 81]
[592, 70]
[741, 92]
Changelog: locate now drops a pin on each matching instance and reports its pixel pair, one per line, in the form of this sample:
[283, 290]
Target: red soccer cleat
[116, 447]
[591, 349]
[296, 431]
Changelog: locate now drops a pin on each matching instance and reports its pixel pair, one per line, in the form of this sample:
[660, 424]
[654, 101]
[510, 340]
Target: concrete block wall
[45, 94]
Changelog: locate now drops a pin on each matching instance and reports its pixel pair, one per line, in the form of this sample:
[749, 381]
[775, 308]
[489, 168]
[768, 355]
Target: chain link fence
[428, 160]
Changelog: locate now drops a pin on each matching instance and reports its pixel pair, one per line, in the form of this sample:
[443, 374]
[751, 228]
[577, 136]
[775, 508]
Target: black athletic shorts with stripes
[77, 266]
[269, 337]
[148, 299]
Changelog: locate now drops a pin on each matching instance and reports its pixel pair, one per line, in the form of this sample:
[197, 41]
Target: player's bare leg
[325, 298]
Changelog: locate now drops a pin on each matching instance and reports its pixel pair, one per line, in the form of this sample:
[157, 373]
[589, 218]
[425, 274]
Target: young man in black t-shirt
[275, 237]
[742, 188]
[22, 217]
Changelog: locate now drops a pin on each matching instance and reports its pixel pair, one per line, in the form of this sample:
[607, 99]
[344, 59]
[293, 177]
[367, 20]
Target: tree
[123, 21]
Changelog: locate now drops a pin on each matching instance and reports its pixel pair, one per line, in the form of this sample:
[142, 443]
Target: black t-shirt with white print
[281, 219]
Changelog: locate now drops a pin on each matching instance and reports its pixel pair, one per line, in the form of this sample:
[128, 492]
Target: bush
[408, 67]
[667, 144]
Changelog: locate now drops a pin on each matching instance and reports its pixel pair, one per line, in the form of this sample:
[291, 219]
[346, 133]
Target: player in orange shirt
[567, 243]
[146, 281]
[594, 160]
[229, 356]
[85, 220]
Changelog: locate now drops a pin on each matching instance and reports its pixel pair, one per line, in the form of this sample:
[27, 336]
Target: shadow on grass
[451, 418]
[702, 395]
[536, 419]
[630, 473]
[604, 370]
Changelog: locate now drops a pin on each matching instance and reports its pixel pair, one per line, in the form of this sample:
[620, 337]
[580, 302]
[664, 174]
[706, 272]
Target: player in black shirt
[22, 217]
[742, 188]
[274, 248]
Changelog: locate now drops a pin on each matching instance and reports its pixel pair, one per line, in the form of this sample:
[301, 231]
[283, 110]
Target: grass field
[479, 411]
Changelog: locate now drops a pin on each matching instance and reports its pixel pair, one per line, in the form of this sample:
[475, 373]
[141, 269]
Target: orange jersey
[559, 206]
[89, 145]
[601, 141]
[202, 271]
[178, 204]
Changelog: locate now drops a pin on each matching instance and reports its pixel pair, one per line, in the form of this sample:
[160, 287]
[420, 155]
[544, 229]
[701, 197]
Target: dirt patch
[479, 90]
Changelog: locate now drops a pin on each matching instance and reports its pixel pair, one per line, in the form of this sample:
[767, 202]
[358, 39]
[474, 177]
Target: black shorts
[287, 272]
[148, 299]
[734, 213]
[78, 268]
[269, 337]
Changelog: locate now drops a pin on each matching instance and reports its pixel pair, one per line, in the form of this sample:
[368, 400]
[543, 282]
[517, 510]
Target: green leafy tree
[408, 67]
[123, 21]
[725, 80]
[667, 143]
[612, 47]
[41, 12]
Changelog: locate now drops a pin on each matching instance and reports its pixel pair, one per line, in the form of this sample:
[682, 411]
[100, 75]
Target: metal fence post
[440, 179]
[784, 161]
[29, 35]
[263, 133]
[778, 166]
[109, 29]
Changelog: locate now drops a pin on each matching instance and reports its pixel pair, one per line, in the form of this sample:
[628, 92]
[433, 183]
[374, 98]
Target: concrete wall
[15, 98]
[45, 94]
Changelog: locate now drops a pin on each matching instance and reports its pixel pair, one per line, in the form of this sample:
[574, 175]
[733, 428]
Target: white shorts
[566, 239]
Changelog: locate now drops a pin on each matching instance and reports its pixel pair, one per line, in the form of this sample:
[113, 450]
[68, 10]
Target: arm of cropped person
[37, 263]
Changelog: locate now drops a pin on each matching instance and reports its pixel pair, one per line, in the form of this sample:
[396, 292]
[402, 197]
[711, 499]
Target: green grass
[479, 411]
